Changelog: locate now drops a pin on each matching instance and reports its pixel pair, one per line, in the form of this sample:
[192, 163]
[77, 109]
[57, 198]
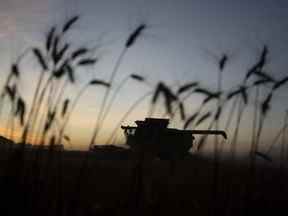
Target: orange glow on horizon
[16, 136]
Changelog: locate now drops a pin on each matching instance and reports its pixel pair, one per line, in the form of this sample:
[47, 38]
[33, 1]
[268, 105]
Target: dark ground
[111, 185]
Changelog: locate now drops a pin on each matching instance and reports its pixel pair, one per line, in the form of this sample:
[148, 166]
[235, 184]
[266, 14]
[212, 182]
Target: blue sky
[182, 43]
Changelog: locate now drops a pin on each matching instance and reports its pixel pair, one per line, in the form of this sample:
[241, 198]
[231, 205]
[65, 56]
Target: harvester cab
[152, 137]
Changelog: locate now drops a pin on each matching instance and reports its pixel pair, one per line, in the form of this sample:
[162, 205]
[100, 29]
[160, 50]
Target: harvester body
[152, 137]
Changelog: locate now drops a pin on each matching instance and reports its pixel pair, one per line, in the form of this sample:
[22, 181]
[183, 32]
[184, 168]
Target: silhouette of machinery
[152, 137]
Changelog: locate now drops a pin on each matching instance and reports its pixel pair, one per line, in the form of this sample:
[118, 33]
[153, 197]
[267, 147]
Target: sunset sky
[183, 42]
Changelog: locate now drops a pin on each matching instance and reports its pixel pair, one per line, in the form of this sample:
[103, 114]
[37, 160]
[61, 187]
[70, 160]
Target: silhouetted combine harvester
[152, 138]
